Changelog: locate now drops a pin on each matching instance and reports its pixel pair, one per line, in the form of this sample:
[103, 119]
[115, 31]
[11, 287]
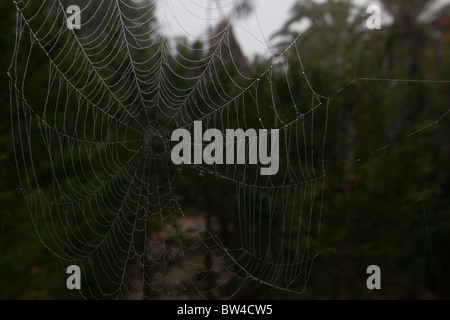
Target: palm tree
[411, 21]
[334, 23]
[230, 50]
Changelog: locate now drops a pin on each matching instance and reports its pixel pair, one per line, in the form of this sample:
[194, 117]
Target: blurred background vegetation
[386, 157]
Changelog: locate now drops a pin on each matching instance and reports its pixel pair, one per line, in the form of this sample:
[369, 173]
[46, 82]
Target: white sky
[191, 18]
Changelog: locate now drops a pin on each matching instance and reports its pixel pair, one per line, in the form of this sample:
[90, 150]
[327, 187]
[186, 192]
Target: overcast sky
[191, 18]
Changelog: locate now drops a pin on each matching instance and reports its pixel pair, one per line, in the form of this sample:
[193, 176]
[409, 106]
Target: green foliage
[386, 162]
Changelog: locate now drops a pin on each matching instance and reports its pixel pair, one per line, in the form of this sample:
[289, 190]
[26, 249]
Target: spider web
[94, 156]
[94, 152]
